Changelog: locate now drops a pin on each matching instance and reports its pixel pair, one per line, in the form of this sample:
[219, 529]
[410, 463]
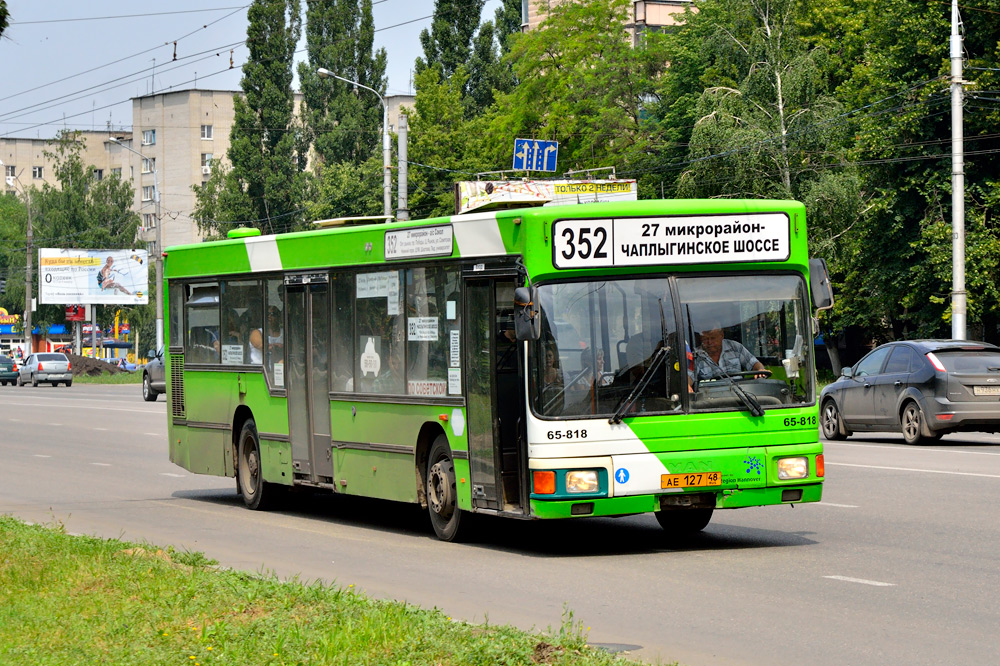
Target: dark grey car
[921, 388]
[154, 376]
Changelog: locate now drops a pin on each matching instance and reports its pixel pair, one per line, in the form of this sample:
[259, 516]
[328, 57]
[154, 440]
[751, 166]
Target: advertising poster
[494, 194]
[93, 276]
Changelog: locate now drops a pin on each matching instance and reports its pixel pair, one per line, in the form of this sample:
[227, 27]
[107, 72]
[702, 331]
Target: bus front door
[307, 302]
[495, 401]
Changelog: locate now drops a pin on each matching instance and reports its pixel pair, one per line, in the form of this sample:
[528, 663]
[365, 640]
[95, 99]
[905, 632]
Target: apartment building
[176, 137]
[645, 14]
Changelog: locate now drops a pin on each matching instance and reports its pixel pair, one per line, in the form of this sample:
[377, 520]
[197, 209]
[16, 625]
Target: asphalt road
[898, 564]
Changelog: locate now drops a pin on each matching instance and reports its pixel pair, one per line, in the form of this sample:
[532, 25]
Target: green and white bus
[534, 363]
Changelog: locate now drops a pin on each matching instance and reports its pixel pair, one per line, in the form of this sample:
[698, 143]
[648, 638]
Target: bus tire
[257, 494]
[684, 521]
[442, 491]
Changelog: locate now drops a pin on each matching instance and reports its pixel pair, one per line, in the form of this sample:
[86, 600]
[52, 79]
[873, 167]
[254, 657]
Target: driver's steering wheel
[752, 374]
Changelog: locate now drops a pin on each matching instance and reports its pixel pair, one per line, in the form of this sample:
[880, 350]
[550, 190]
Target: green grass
[83, 600]
[108, 378]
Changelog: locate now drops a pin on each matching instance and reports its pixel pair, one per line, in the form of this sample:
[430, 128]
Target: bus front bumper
[724, 499]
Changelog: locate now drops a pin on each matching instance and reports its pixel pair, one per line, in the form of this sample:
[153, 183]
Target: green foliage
[347, 189]
[264, 187]
[582, 83]
[343, 124]
[440, 137]
[448, 44]
[4, 16]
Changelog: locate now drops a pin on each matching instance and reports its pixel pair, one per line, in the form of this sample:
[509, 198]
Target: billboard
[493, 194]
[107, 277]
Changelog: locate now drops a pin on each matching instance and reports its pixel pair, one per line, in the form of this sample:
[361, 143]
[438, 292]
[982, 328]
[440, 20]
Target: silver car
[154, 376]
[45, 367]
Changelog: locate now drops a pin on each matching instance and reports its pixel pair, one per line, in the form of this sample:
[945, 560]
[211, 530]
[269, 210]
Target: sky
[77, 64]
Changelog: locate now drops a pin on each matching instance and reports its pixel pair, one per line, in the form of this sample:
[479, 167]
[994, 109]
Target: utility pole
[27, 282]
[958, 294]
[403, 212]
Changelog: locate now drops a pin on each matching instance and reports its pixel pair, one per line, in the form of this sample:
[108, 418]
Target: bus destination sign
[646, 241]
[419, 242]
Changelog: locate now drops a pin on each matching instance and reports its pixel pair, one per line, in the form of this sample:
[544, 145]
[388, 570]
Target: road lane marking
[40, 455]
[914, 469]
[848, 579]
[88, 408]
[842, 506]
[153, 434]
[176, 476]
[104, 429]
[910, 449]
[101, 464]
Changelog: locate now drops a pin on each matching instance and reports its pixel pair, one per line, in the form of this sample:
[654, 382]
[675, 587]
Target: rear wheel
[684, 521]
[257, 493]
[34, 380]
[833, 426]
[69, 383]
[442, 491]
[148, 394]
[912, 425]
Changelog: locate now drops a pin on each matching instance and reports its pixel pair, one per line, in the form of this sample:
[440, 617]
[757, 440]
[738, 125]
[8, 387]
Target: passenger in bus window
[729, 355]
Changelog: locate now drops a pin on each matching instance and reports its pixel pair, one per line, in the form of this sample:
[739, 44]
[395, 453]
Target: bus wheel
[256, 492]
[442, 493]
[684, 521]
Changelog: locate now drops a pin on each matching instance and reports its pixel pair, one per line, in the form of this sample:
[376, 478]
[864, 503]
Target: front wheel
[442, 492]
[257, 493]
[683, 522]
[833, 427]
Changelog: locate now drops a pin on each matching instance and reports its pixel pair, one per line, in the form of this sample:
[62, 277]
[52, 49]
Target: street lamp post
[386, 173]
[158, 254]
[27, 268]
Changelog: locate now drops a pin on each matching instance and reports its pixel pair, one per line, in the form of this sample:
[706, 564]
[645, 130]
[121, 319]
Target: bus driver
[717, 352]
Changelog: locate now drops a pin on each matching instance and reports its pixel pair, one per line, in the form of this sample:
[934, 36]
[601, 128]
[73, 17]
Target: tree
[4, 16]
[448, 44]
[343, 124]
[79, 212]
[441, 139]
[264, 187]
[580, 83]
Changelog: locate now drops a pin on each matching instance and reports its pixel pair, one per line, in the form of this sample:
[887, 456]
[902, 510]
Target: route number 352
[583, 243]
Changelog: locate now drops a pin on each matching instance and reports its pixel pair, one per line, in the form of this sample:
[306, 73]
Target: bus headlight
[793, 468]
[582, 481]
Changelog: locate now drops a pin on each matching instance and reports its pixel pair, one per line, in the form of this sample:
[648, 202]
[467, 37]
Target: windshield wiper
[647, 376]
[747, 399]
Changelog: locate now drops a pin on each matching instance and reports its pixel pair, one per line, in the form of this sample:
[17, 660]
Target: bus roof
[523, 231]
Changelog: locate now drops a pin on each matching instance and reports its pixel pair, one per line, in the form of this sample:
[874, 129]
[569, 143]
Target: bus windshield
[614, 348]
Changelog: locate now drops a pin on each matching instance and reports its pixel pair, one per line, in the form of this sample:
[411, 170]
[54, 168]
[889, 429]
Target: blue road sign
[621, 475]
[535, 155]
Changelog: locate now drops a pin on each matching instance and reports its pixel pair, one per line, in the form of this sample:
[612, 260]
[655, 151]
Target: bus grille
[177, 385]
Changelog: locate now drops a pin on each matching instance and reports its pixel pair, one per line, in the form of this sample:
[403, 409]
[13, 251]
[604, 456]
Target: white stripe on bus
[478, 235]
[262, 251]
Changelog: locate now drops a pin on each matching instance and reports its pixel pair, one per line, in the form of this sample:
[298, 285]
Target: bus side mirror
[819, 284]
[527, 322]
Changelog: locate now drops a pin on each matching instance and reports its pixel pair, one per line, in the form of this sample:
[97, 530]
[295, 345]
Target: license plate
[986, 390]
[693, 480]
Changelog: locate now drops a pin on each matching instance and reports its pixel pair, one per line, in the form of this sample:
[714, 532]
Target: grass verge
[108, 378]
[84, 600]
